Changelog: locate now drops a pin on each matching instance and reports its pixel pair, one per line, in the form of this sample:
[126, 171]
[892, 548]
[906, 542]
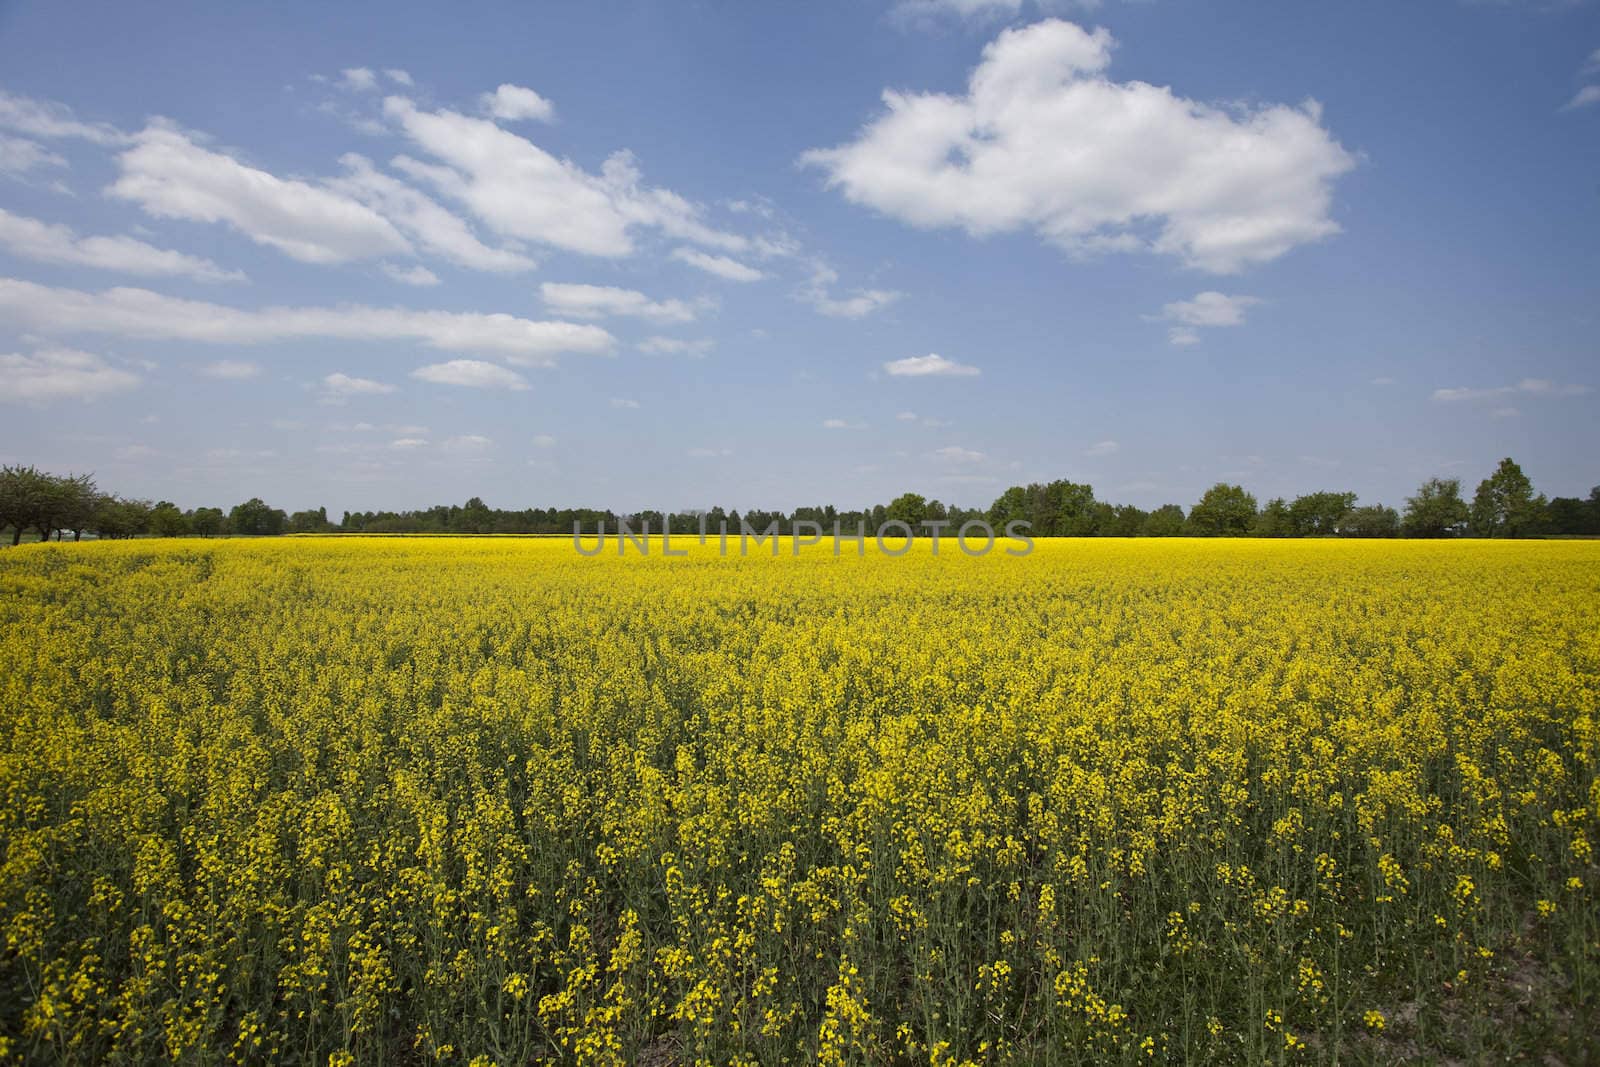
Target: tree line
[1504, 505]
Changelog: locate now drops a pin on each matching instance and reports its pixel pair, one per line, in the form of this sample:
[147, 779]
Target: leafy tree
[115, 517]
[1224, 511]
[1165, 521]
[167, 521]
[255, 518]
[1319, 514]
[207, 522]
[1505, 504]
[309, 521]
[1125, 520]
[1009, 506]
[1274, 520]
[1436, 511]
[908, 508]
[1375, 520]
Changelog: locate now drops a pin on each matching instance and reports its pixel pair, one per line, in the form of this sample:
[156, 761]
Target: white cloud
[1044, 140]
[513, 103]
[676, 346]
[1539, 387]
[18, 156]
[49, 243]
[957, 454]
[151, 316]
[1207, 309]
[339, 384]
[521, 191]
[916, 12]
[420, 218]
[907, 416]
[471, 442]
[41, 118]
[169, 175]
[544, 440]
[722, 266]
[399, 77]
[598, 301]
[416, 275]
[60, 374]
[358, 79]
[231, 370]
[835, 424]
[709, 453]
[1589, 94]
[1103, 448]
[817, 292]
[931, 365]
[472, 373]
[624, 403]
[402, 444]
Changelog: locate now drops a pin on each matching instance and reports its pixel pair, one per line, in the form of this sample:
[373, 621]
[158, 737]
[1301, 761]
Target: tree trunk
[16, 536]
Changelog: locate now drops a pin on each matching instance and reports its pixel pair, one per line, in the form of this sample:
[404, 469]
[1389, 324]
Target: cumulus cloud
[358, 79]
[1208, 309]
[50, 243]
[341, 385]
[1537, 387]
[1044, 140]
[144, 314]
[676, 346]
[170, 175]
[60, 374]
[471, 373]
[722, 266]
[862, 302]
[416, 275]
[513, 103]
[41, 118]
[599, 301]
[231, 370]
[1589, 94]
[521, 191]
[422, 219]
[18, 156]
[931, 365]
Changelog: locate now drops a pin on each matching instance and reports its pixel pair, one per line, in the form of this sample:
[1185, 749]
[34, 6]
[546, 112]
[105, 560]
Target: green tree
[1224, 511]
[1436, 511]
[206, 522]
[1319, 514]
[1165, 521]
[1009, 506]
[1375, 520]
[167, 521]
[255, 518]
[909, 508]
[1505, 504]
[1274, 520]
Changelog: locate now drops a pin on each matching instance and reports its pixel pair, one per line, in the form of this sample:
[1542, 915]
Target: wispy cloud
[932, 365]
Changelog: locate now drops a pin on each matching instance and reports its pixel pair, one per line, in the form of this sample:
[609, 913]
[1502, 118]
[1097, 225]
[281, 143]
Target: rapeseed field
[354, 800]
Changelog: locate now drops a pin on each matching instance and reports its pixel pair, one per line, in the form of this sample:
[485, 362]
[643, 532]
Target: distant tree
[206, 522]
[937, 512]
[309, 521]
[1319, 514]
[167, 521]
[1165, 521]
[1375, 520]
[1224, 511]
[1436, 511]
[909, 509]
[1570, 515]
[254, 518]
[1505, 504]
[1274, 520]
[1009, 506]
[116, 518]
[1125, 520]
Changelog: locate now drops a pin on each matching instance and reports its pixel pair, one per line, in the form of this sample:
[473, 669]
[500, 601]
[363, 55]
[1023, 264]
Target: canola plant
[363, 800]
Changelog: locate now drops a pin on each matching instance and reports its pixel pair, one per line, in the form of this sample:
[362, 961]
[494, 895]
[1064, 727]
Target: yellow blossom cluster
[489, 801]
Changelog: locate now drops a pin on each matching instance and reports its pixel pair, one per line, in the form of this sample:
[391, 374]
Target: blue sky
[649, 256]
